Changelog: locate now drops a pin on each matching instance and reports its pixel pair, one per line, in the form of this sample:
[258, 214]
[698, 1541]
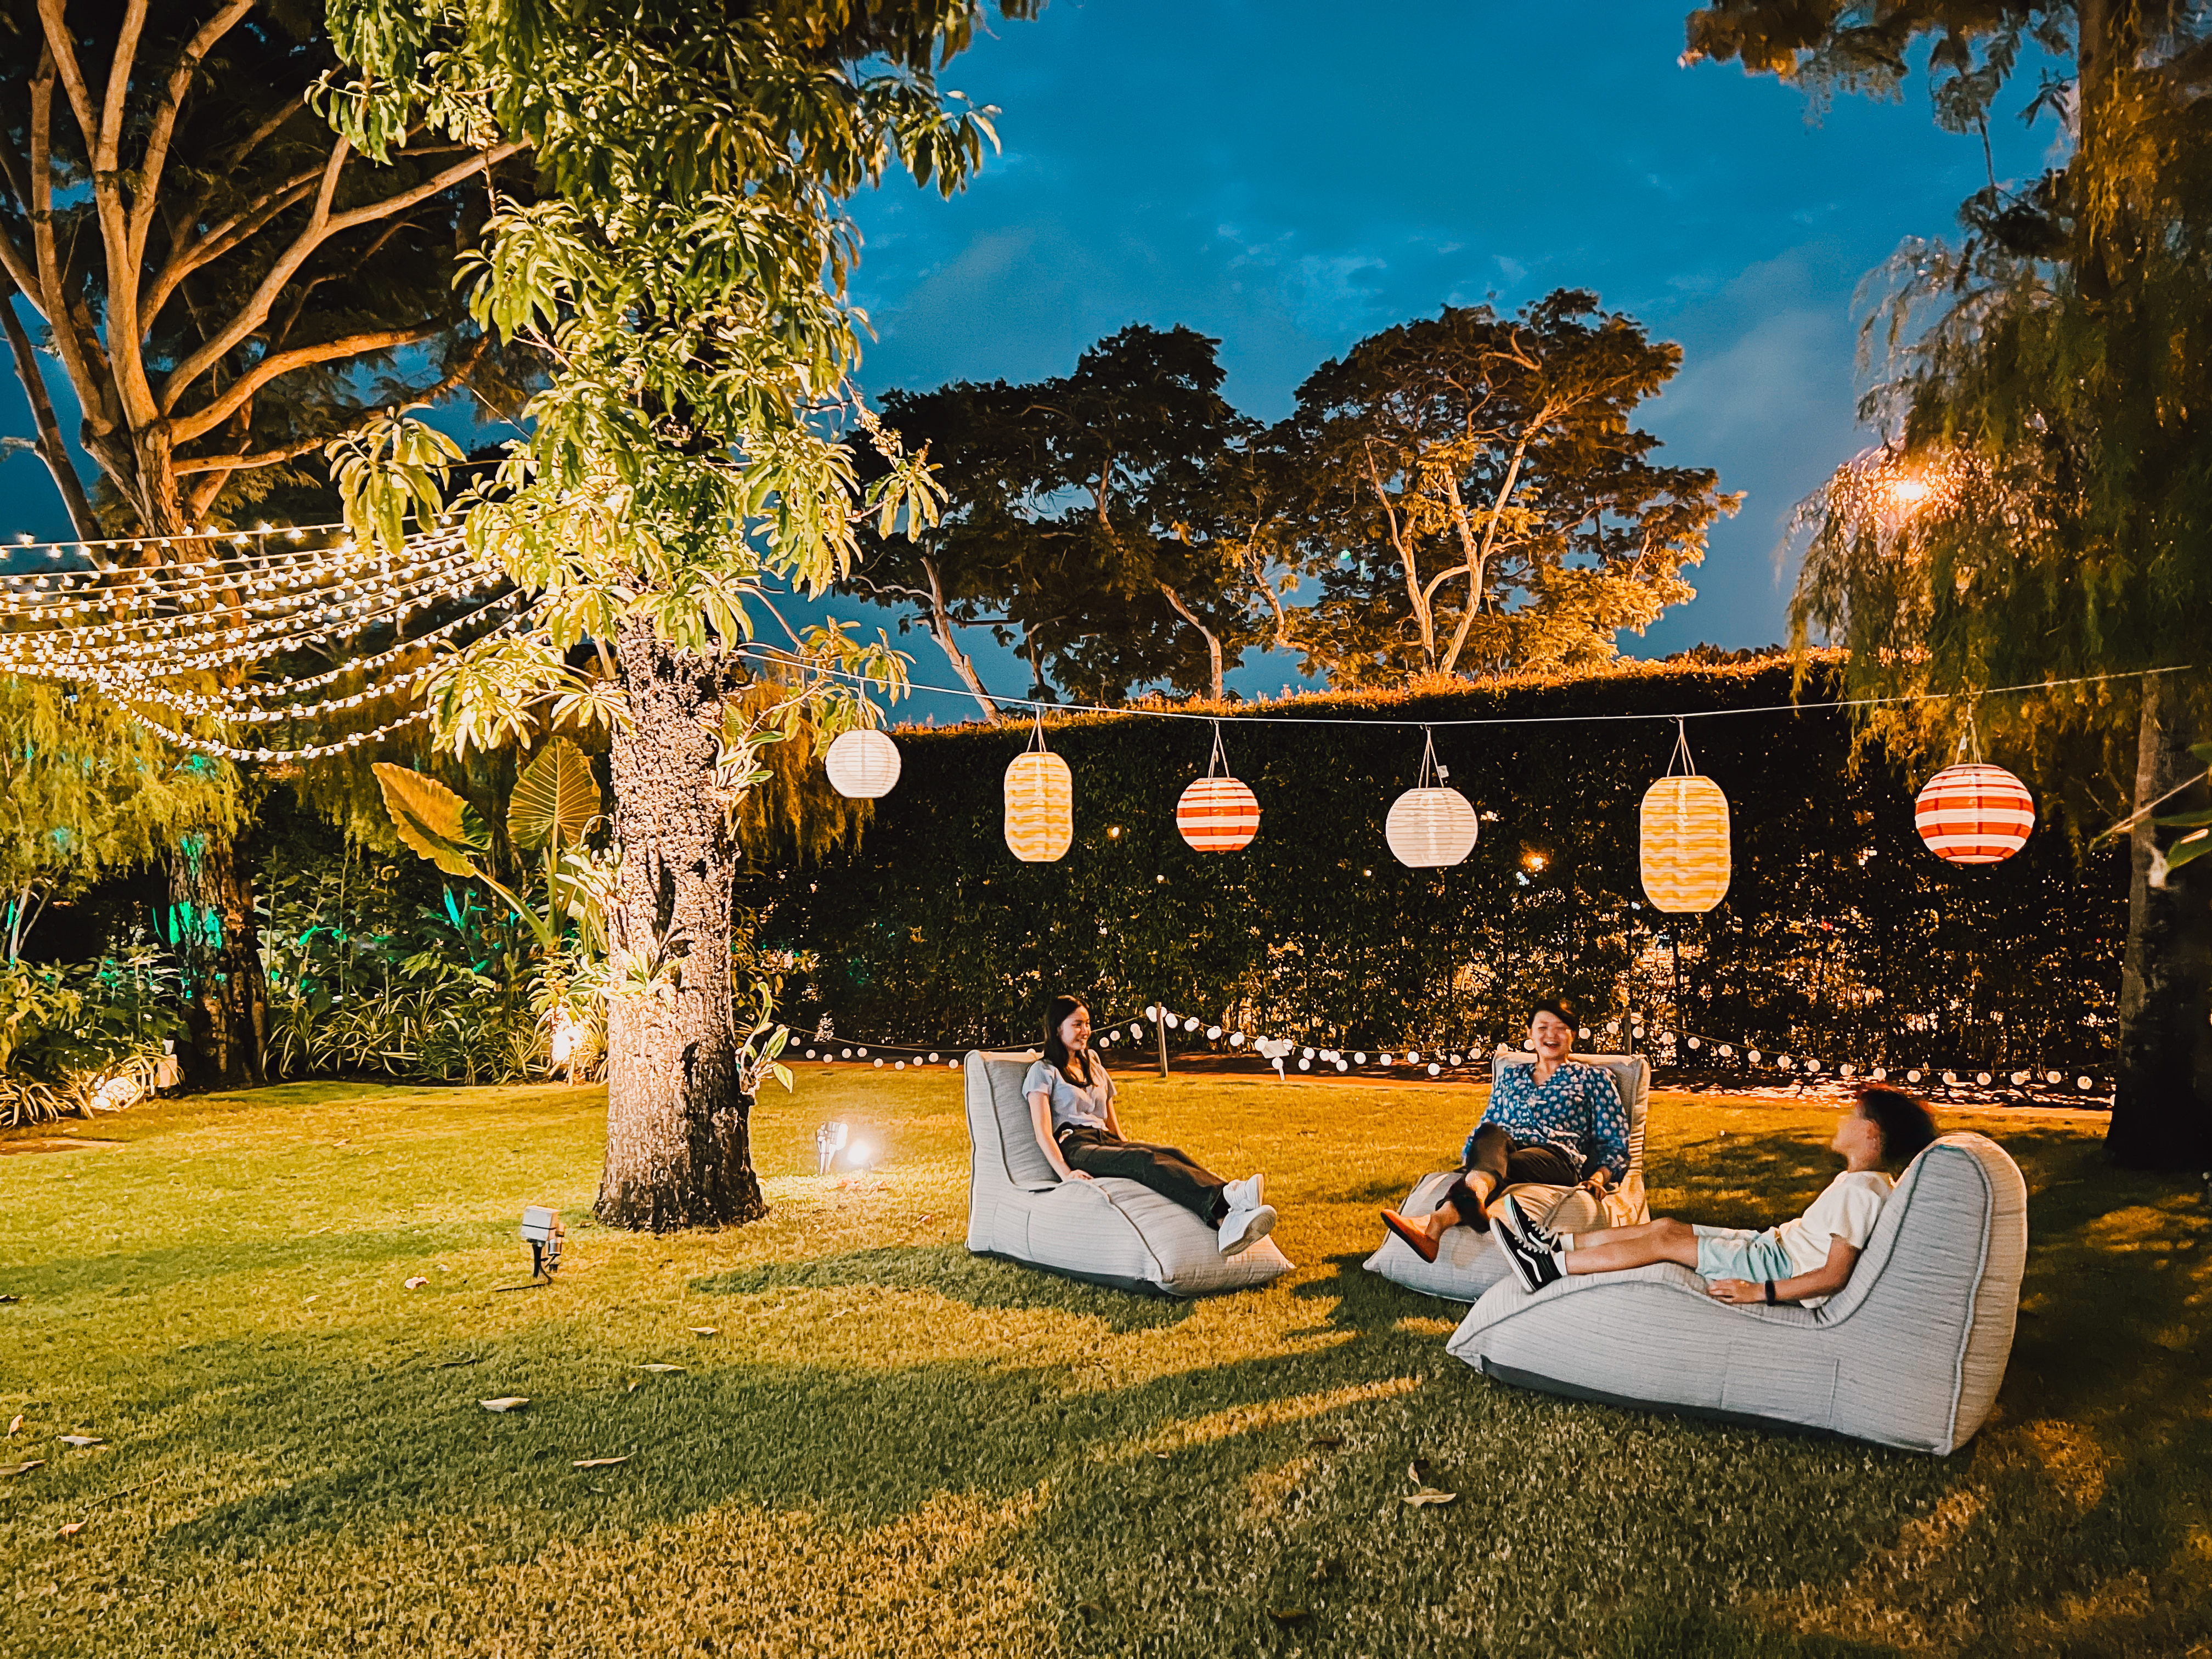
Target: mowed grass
[885, 1446]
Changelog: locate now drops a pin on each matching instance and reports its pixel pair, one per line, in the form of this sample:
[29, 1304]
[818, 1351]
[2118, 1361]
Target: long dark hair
[1906, 1127]
[1075, 1067]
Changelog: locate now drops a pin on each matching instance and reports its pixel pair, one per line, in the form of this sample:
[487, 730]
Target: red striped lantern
[1974, 814]
[1217, 815]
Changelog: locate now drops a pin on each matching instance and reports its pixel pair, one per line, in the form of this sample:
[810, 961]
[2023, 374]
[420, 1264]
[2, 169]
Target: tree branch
[185, 429]
[221, 239]
[126, 358]
[165, 123]
[61, 51]
[61, 319]
[52, 448]
[321, 226]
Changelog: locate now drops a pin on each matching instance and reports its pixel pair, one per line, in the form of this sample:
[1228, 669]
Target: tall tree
[1099, 517]
[685, 274]
[226, 285]
[2041, 513]
[1481, 499]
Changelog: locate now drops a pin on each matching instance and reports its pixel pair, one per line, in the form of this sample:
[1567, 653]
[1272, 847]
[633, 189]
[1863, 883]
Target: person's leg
[1483, 1179]
[1167, 1170]
[1540, 1166]
[1617, 1248]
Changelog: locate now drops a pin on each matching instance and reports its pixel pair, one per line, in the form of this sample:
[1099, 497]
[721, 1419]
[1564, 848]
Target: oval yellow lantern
[1684, 846]
[1040, 804]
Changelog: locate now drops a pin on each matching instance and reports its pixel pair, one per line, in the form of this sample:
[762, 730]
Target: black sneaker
[1534, 1232]
[1533, 1266]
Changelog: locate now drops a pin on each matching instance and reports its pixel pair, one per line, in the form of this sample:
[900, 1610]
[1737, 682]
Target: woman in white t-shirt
[1805, 1260]
[1072, 1108]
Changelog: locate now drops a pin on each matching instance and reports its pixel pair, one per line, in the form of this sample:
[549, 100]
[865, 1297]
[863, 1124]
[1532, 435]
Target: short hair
[1907, 1130]
[1557, 1007]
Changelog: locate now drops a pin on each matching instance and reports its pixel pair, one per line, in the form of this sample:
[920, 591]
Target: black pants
[1509, 1162]
[1167, 1170]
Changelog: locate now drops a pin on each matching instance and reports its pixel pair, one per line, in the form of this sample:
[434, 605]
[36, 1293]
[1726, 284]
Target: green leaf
[782, 1075]
[432, 819]
[2188, 849]
[555, 799]
[2183, 820]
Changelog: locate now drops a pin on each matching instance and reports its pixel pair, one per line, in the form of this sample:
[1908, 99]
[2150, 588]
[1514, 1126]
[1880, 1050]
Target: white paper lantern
[1430, 826]
[862, 764]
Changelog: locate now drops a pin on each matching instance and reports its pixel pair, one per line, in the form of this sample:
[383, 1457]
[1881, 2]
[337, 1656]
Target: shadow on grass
[981, 1282]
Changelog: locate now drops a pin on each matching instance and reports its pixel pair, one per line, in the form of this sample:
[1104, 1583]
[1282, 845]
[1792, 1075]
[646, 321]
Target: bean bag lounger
[1909, 1353]
[1111, 1231]
[1468, 1263]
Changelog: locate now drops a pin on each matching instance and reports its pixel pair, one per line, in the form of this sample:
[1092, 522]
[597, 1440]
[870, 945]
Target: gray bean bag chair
[1909, 1353]
[1111, 1231]
[1468, 1263]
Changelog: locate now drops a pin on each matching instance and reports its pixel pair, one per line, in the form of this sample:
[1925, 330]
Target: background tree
[685, 274]
[2042, 510]
[226, 285]
[1479, 499]
[1099, 517]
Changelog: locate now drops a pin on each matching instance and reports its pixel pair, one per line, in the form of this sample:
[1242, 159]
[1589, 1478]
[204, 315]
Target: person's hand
[1741, 1291]
[1077, 1175]
[1599, 1183]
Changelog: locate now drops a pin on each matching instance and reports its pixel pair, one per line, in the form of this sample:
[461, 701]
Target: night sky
[1290, 177]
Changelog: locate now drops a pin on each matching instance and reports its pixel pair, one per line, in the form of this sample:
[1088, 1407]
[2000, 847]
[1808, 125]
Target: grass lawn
[878, 1444]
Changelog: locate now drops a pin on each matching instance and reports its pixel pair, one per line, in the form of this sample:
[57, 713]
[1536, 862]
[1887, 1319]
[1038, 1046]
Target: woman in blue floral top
[1556, 1121]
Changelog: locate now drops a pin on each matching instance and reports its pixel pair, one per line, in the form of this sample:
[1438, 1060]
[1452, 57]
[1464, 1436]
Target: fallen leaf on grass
[1163, 1456]
[1326, 1442]
[82, 1440]
[704, 1330]
[448, 1364]
[317, 1297]
[70, 1530]
[600, 1462]
[1291, 1616]
[506, 1402]
[417, 1282]
[15, 1425]
[1089, 1609]
[1430, 1495]
[10, 1298]
[21, 1468]
[658, 1366]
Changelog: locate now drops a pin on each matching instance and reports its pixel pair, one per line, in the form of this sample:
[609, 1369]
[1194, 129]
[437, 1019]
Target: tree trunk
[2162, 1108]
[940, 629]
[219, 937]
[1213, 687]
[678, 1143]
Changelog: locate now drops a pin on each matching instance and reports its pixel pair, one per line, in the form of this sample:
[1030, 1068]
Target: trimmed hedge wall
[1842, 937]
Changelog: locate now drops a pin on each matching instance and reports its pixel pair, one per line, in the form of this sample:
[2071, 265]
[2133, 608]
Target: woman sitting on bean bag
[1071, 1106]
[1555, 1122]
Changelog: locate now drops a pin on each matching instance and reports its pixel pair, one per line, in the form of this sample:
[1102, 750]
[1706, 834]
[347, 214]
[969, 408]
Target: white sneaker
[1242, 1229]
[1248, 1193]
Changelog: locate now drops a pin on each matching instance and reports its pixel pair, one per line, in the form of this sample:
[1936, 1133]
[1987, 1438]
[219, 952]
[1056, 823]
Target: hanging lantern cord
[1036, 738]
[1430, 772]
[1219, 762]
[1682, 750]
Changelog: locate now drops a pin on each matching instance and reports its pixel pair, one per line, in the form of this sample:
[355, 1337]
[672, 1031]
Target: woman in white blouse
[1071, 1107]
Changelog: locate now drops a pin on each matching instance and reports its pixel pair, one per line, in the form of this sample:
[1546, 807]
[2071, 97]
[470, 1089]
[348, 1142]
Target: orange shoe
[1421, 1244]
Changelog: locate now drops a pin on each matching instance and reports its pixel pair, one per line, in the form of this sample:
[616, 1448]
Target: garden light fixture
[543, 1231]
[829, 1141]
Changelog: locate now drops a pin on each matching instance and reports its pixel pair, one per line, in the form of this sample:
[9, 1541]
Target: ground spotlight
[543, 1231]
[829, 1141]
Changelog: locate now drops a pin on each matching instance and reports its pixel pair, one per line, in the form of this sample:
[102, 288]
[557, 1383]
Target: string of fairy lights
[198, 627]
[1688, 1049]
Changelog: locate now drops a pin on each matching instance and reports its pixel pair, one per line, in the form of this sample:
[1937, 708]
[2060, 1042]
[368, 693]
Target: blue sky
[1290, 177]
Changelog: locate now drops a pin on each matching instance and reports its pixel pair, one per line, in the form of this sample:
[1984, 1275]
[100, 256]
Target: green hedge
[1842, 937]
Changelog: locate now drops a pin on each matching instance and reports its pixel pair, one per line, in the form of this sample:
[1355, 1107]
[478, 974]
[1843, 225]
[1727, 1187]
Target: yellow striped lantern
[1218, 814]
[1684, 845]
[1974, 814]
[1040, 803]
[862, 764]
[1431, 826]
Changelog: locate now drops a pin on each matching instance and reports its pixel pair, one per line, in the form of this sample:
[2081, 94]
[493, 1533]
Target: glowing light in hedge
[863, 763]
[1431, 826]
[1040, 803]
[1216, 813]
[1684, 848]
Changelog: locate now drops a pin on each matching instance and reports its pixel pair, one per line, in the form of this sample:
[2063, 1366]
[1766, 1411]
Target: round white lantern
[1431, 826]
[862, 764]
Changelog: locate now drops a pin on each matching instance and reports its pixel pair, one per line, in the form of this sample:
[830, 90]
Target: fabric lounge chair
[1468, 1263]
[1909, 1353]
[1111, 1231]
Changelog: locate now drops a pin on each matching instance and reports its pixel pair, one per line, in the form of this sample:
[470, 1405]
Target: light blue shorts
[1740, 1252]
